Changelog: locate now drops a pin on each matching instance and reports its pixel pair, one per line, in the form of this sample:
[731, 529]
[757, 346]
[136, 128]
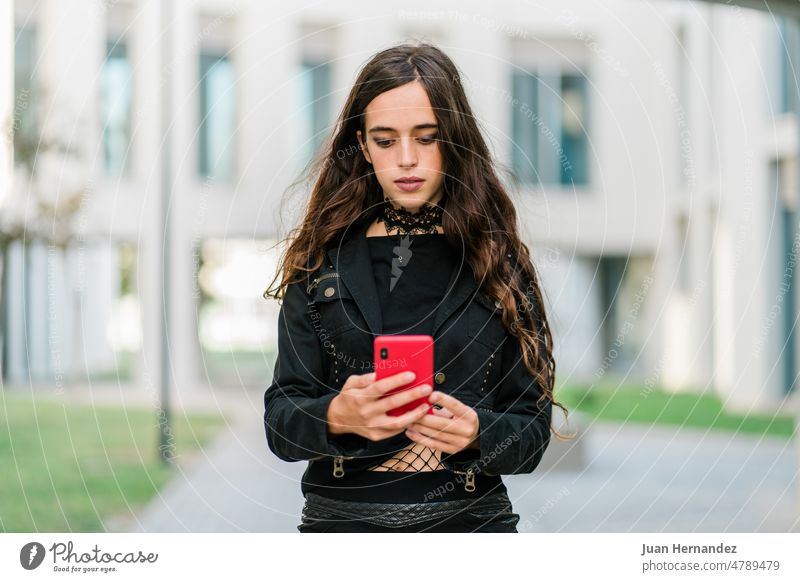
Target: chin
[411, 201]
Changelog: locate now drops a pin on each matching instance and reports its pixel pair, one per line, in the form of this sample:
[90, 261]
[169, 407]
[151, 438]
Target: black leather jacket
[326, 329]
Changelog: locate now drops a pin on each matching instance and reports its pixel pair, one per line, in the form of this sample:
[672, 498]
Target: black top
[411, 280]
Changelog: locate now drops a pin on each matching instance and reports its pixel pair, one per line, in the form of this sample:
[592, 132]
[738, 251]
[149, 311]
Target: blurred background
[148, 147]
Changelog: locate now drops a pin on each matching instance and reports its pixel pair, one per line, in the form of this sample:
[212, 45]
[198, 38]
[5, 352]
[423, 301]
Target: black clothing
[409, 297]
[402, 486]
[326, 327]
[492, 513]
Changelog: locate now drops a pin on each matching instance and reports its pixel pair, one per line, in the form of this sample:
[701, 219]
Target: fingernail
[410, 375]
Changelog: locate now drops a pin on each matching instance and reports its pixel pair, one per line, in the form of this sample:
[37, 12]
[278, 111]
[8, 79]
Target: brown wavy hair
[478, 213]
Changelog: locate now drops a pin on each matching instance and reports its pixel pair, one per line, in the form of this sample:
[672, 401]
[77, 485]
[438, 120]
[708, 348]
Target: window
[312, 90]
[612, 279]
[573, 135]
[550, 127]
[525, 143]
[24, 103]
[217, 117]
[116, 108]
[784, 186]
[788, 45]
[315, 90]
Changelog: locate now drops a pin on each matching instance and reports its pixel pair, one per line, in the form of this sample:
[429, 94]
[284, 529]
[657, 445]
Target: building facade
[651, 148]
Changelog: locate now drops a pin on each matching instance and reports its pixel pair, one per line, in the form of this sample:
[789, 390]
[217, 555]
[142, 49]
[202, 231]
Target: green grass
[657, 406]
[69, 467]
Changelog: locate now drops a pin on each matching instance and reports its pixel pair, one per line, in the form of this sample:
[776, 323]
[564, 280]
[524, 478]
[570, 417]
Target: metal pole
[165, 432]
[7, 94]
[793, 45]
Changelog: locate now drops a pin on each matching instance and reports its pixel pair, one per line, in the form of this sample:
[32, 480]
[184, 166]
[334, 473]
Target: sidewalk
[638, 479]
[236, 484]
[648, 479]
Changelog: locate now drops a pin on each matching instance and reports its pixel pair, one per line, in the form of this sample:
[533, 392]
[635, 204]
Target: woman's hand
[361, 406]
[453, 428]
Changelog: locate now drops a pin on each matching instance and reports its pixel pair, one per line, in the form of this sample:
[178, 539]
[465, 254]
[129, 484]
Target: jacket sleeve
[515, 434]
[296, 402]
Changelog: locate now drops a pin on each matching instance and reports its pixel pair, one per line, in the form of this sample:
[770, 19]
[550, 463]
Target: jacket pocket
[331, 306]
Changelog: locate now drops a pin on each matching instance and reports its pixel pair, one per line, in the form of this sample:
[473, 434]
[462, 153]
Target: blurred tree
[49, 185]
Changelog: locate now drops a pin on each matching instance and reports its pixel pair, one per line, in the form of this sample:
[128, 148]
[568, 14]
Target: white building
[655, 143]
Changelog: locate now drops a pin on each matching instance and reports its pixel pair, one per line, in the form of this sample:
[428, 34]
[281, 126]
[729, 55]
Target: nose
[408, 152]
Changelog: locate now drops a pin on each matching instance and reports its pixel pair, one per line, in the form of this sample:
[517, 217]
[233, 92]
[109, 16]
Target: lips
[409, 180]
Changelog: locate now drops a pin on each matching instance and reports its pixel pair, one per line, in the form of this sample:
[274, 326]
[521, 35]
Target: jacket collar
[353, 262]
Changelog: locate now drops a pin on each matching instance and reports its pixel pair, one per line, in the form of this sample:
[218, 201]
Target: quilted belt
[320, 508]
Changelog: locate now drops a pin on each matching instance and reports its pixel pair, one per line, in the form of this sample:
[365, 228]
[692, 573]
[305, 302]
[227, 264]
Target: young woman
[408, 230]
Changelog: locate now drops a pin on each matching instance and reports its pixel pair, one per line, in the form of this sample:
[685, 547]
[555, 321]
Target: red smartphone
[401, 353]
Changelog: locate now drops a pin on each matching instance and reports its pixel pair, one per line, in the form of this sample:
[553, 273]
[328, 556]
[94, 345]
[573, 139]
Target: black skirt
[490, 513]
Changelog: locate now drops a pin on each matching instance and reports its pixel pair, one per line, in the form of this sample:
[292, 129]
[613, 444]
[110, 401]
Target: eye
[428, 139]
[384, 142]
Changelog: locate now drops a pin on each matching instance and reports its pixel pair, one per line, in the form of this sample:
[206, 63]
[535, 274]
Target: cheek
[380, 161]
[383, 170]
[433, 159]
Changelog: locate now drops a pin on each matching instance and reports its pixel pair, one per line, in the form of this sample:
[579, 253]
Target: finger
[443, 412]
[387, 422]
[432, 433]
[456, 406]
[358, 381]
[431, 443]
[384, 385]
[446, 425]
[396, 400]
[365, 380]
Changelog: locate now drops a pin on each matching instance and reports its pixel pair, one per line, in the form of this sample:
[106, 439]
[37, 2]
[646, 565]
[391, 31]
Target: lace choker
[425, 220]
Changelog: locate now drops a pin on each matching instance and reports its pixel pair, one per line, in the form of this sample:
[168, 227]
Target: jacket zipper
[316, 281]
[469, 485]
[338, 465]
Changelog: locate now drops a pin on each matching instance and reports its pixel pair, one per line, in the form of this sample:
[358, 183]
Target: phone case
[405, 352]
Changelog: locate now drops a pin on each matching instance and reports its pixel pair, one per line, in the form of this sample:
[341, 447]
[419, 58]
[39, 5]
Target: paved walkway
[648, 479]
[637, 479]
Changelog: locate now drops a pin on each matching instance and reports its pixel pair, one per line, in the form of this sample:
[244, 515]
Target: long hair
[479, 215]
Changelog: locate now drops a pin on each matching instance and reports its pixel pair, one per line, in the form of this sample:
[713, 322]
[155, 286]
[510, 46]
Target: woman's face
[401, 142]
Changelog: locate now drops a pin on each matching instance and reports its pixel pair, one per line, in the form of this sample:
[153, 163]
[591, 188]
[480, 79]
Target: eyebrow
[378, 128]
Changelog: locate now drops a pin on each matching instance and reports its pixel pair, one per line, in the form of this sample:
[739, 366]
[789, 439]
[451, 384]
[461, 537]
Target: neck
[400, 208]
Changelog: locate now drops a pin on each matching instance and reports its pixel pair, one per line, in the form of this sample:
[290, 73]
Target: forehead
[400, 108]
